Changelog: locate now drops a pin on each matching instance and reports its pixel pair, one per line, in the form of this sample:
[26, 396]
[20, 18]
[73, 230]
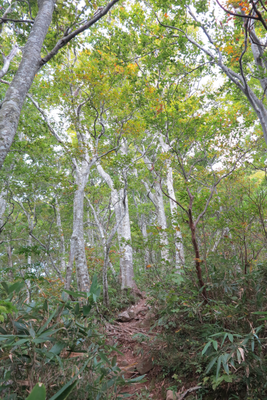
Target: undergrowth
[220, 346]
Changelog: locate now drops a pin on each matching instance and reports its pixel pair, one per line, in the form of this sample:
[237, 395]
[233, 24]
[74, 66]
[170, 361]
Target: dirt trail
[133, 338]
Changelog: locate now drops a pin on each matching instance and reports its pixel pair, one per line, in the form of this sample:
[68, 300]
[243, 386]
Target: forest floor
[135, 340]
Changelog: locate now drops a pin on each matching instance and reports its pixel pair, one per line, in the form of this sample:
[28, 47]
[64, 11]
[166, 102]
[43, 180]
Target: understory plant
[56, 351]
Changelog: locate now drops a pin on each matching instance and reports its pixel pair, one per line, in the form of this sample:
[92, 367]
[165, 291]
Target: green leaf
[215, 345]
[47, 323]
[45, 306]
[225, 362]
[103, 357]
[20, 342]
[37, 393]
[94, 285]
[16, 287]
[231, 337]
[206, 347]
[76, 294]
[5, 286]
[86, 310]
[57, 348]
[70, 385]
[63, 394]
[77, 309]
[225, 336]
[114, 361]
[219, 362]
[213, 361]
[138, 379]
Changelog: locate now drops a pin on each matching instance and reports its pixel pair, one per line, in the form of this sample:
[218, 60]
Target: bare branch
[41, 111]
[7, 60]
[26, 21]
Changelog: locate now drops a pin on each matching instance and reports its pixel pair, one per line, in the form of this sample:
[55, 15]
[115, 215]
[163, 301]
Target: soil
[134, 338]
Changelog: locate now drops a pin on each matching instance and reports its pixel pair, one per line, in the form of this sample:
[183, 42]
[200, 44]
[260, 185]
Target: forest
[133, 199]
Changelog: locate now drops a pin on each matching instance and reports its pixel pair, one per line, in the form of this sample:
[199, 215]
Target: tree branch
[66, 39]
[7, 60]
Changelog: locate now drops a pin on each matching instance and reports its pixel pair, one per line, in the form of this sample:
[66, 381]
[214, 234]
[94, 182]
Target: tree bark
[3, 205]
[119, 200]
[62, 239]
[145, 237]
[157, 200]
[19, 87]
[77, 247]
[197, 256]
[179, 247]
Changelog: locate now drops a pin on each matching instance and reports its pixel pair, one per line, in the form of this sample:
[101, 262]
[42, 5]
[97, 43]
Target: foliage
[56, 344]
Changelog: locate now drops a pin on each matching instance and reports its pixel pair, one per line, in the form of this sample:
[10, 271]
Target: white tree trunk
[157, 200]
[9, 257]
[142, 222]
[77, 248]
[62, 239]
[162, 221]
[144, 233]
[179, 247]
[90, 232]
[119, 201]
[3, 204]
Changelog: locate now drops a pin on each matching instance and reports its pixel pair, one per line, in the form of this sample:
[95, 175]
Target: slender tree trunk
[179, 247]
[105, 276]
[142, 225]
[29, 258]
[157, 200]
[197, 256]
[90, 231]
[69, 268]
[162, 222]
[127, 274]
[144, 233]
[3, 204]
[9, 258]
[119, 201]
[62, 239]
[77, 246]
